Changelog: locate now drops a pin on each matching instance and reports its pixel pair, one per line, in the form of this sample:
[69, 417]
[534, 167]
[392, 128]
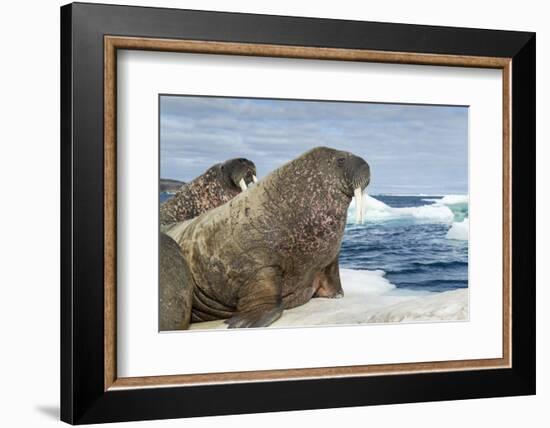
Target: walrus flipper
[260, 302]
[176, 287]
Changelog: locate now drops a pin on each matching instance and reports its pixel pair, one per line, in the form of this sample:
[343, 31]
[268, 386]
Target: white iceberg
[459, 230]
[377, 211]
[453, 199]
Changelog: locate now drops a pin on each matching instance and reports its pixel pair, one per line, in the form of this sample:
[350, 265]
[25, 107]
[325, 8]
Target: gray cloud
[411, 148]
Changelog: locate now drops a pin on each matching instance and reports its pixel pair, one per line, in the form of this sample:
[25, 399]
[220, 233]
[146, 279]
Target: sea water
[419, 242]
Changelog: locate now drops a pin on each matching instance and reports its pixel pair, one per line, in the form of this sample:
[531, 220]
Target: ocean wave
[440, 264]
[420, 267]
[434, 285]
[377, 211]
[459, 230]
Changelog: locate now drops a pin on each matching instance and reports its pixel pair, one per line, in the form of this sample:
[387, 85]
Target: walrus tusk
[242, 185]
[358, 205]
[254, 179]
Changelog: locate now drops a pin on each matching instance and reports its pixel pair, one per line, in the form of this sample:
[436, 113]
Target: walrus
[218, 185]
[273, 247]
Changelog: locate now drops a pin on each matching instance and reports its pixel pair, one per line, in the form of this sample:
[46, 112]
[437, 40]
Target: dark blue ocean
[408, 238]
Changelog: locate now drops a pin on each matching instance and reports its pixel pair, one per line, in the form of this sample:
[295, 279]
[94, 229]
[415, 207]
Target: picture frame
[91, 391]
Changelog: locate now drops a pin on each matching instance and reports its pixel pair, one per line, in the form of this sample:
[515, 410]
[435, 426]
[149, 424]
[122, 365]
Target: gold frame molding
[113, 43]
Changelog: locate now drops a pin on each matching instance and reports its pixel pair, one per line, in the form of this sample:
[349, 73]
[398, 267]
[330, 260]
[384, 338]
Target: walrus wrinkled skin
[274, 246]
[218, 185]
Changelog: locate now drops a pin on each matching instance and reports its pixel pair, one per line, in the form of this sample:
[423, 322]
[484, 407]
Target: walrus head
[239, 172]
[355, 178]
[351, 173]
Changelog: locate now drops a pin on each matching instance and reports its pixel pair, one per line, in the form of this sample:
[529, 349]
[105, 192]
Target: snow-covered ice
[370, 298]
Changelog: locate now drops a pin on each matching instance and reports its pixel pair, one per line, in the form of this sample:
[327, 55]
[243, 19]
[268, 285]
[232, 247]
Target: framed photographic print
[274, 213]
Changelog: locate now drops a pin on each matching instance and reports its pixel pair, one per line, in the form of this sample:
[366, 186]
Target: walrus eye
[340, 162]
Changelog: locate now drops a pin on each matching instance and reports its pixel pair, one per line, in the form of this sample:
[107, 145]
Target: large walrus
[218, 185]
[272, 247]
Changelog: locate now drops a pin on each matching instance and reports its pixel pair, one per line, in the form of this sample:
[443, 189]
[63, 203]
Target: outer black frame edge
[524, 213]
[82, 397]
[66, 369]
[302, 31]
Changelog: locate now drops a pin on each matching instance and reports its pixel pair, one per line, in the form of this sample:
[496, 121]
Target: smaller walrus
[271, 248]
[218, 185]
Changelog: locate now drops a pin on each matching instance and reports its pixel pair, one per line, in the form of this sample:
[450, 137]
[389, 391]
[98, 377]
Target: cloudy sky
[412, 149]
